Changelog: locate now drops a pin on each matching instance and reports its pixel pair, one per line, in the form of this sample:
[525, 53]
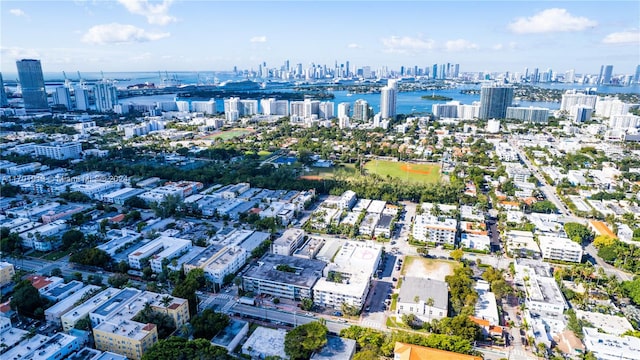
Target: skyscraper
[82, 97]
[32, 83]
[106, 96]
[3, 95]
[360, 110]
[494, 101]
[388, 96]
[606, 77]
[62, 97]
[636, 78]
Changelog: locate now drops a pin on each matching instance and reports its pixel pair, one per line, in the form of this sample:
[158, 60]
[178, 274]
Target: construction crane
[67, 82]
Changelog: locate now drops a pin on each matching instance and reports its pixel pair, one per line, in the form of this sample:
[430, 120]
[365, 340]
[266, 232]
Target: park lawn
[317, 173]
[229, 134]
[411, 172]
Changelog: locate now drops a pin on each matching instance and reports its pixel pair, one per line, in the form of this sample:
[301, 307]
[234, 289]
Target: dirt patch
[311, 177]
[409, 168]
[428, 268]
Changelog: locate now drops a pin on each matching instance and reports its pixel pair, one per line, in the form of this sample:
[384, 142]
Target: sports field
[228, 134]
[411, 172]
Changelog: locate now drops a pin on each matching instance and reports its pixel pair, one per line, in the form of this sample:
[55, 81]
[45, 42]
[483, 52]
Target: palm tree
[430, 303]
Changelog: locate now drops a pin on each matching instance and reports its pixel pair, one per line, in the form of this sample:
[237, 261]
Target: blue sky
[141, 35]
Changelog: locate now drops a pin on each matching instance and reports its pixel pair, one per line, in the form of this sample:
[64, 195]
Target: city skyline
[139, 35]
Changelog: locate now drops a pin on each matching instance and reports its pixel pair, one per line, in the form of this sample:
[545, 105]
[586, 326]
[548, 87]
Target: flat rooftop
[306, 275]
[614, 325]
[424, 289]
[267, 342]
[63, 288]
[117, 300]
[226, 335]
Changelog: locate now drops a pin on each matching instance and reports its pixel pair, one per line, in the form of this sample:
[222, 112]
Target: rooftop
[414, 352]
[337, 348]
[306, 275]
[267, 342]
[424, 289]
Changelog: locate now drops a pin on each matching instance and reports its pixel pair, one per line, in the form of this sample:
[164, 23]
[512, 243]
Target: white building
[542, 293]
[493, 126]
[288, 242]
[71, 317]
[205, 107]
[59, 151]
[106, 96]
[157, 250]
[55, 312]
[572, 98]
[435, 229]
[624, 121]
[226, 260]
[475, 242]
[356, 263]
[425, 298]
[521, 243]
[611, 347]
[559, 248]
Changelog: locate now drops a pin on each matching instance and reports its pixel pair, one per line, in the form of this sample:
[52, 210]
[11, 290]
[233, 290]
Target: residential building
[573, 98]
[360, 110]
[164, 247]
[81, 95]
[430, 228]
[70, 318]
[537, 115]
[62, 290]
[388, 99]
[282, 276]
[32, 84]
[560, 248]
[6, 273]
[42, 347]
[355, 263]
[542, 294]
[611, 347]
[475, 242]
[494, 101]
[3, 94]
[106, 96]
[115, 330]
[404, 351]
[486, 307]
[227, 260]
[62, 97]
[54, 313]
[288, 242]
[426, 298]
[59, 151]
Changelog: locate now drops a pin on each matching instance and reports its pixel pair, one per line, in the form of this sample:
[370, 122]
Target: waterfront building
[32, 83]
[494, 101]
[344, 110]
[531, 114]
[388, 100]
[360, 110]
[3, 94]
[81, 95]
[106, 96]
[62, 96]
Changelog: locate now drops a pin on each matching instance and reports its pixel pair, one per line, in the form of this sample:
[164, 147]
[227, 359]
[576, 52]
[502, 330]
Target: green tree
[118, 280]
[91, 256]
[177, 348]
[72, 237]
[187, 288]
[26, 299]
[457, 254]
[306, 304]
[578, 232]
[302, 341]
[208, 323]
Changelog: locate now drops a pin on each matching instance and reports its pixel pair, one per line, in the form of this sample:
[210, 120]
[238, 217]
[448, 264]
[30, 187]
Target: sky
[192, 35]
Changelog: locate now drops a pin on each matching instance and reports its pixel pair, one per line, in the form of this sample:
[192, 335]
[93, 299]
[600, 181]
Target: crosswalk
[371, 324]
[519, 353]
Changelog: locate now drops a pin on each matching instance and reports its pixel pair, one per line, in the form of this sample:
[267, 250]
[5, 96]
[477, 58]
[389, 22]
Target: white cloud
[497, 47]
[549, 21]
[354, 46]
[17, 12]
[460, 45]
[623, 37]
[156, 14]
[406, 44]
[15, 52]
[119, 33]
[258, 39]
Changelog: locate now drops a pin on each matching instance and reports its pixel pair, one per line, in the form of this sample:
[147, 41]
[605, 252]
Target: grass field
[329, 173]
[411, 172]
[228, 134]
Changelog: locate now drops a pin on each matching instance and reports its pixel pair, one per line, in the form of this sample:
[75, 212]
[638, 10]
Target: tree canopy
[301, 342]
[177, 348]
[208, 323]
[578, 232]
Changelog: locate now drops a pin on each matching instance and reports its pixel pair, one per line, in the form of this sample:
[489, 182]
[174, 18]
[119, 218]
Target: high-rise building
[494, 101]
[3, 95]
[434, 71]
[530, 114]
[325, 110]
[81, 95]
[344, 109]
[360, 110]
[62, 97]
[106, 96]
[636, 78]
[32, 83]
[606, 76]
[388, 99]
